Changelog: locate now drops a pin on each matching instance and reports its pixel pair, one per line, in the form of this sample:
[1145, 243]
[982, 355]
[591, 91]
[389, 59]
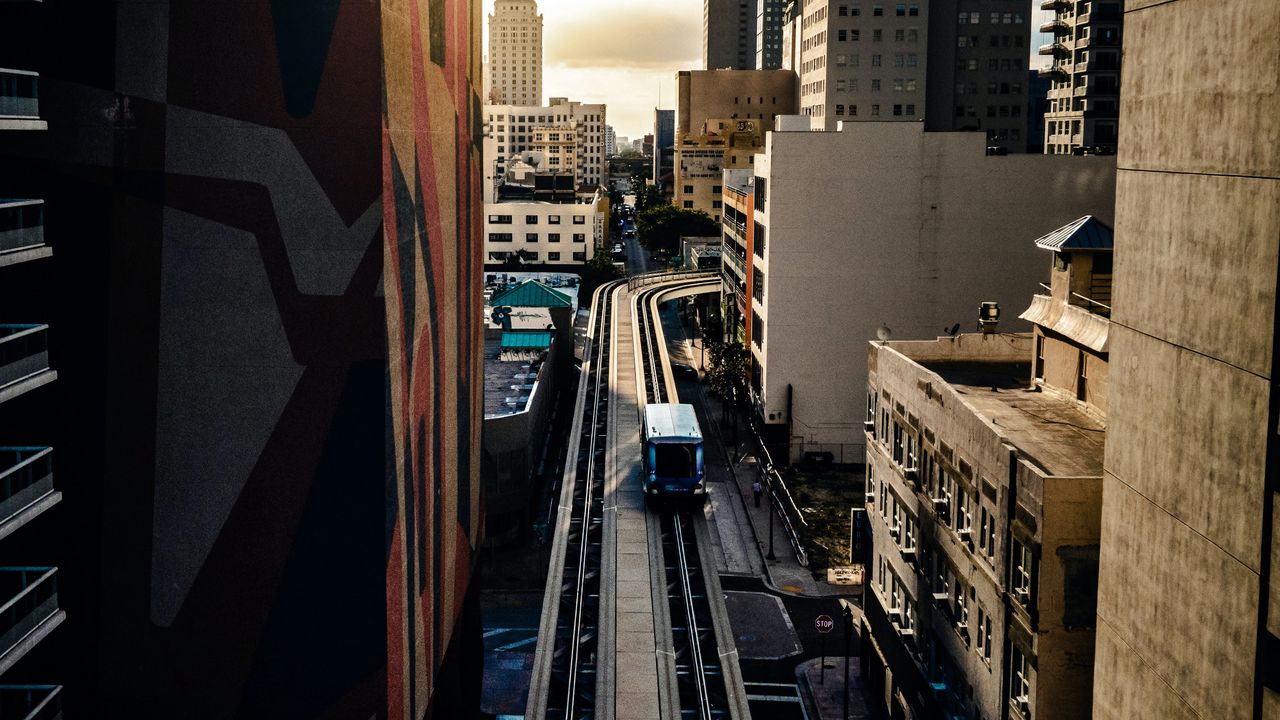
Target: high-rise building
[768, 35]
[1084, 76]
[34, 528]
[510, 133]
[664, 148]
[702, 157]
[610, 142]
[267, 427]
[702, 95]
[955, 64]
[1189, 588]
[728, 34]
[515, 53]
[983, 498]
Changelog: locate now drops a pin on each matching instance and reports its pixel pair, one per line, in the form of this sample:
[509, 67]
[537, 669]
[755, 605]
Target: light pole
[848, 632]
[772, 508]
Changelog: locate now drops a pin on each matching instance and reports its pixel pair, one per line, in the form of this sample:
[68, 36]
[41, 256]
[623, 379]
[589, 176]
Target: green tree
[629, 154]
[647, 196]
[602, 263]
[727, 369]
[660, 228]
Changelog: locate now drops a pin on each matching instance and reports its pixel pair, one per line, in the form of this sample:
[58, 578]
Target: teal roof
[526, 340]
[531, 293]
[1086, 233]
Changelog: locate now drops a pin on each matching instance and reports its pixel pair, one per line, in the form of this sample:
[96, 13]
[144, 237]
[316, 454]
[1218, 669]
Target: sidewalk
[825, 695]
[784, 573]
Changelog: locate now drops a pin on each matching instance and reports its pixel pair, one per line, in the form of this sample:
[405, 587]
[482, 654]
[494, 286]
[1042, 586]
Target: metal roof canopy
[526, 340]
[671, 421]
[1086, 233]
[531, 293]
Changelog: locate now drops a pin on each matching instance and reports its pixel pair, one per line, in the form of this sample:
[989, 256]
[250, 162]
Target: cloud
[627, 37]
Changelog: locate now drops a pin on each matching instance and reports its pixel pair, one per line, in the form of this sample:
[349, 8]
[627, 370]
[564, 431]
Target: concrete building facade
[735, 94]
[545, 233]
[728, 34]
[881, 224]
[955, 64]
[701, 159]
[511, 132]
[515, 53]
[1189, 594]
[1084, 75]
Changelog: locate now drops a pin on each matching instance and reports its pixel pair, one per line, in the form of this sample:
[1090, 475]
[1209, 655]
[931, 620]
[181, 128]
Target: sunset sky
[618, 52]
[623, 52]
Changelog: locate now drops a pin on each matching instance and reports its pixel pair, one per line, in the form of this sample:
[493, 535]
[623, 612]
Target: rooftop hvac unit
[988, 317]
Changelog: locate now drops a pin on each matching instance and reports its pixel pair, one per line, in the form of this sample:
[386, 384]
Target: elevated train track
[591, 661]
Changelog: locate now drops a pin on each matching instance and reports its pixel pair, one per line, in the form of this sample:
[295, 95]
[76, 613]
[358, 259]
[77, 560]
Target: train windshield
[673, 460]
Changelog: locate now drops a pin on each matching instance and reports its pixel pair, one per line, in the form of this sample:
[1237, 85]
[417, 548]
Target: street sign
[824, 624]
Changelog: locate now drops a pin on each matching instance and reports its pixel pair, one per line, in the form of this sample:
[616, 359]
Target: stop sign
[824, 623]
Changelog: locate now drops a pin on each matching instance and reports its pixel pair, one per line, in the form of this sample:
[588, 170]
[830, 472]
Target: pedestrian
[757, 489]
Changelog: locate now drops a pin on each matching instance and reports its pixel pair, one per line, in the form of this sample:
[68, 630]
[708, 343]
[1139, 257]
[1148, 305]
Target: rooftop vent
[988, 317]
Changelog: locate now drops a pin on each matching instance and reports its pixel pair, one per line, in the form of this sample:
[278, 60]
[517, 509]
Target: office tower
[610, 142]
[267, 332]
[768, 35]
[703, 95]
[1084, 75]
[664, 148]
[1188, 595]
[515, 53]
[728, 34]
[955, 64]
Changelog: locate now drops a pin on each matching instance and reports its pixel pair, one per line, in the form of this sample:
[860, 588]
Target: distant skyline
[620, 54]
[626, 54]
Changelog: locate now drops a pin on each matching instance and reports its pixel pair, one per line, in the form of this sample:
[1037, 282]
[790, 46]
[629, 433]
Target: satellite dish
[883, 332]
[953, 330]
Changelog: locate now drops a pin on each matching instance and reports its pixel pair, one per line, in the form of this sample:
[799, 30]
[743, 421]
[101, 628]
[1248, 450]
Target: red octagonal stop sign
[824, 623]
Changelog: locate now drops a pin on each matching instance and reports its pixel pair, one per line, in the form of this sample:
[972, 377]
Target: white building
[545, 233]
[511, 131]
[610, 142]
[884, 225]
[515, 53]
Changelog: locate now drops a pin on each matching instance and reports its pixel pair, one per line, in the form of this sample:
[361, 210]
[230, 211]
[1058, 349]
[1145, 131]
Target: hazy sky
[617, 52]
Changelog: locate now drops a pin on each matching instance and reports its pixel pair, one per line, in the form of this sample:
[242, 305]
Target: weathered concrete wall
[882, 223]
[1198, 214]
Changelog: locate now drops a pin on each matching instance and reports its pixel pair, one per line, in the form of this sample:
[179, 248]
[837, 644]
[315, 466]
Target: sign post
[823, 624]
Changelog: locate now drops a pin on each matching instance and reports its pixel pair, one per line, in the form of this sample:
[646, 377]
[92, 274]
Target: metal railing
[21, 224]
[33, 598]
[26, 474]
[31, 702]
[24, 351]
[657, 276]
[19, 93]
[1090, 303]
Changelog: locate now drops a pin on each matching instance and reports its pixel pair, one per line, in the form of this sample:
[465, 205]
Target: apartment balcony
[26, 486]
[24, 359]
[31, 702]
[1054, 48]
[1054, 72]
[30, 610]
[1056, 26]
[22, 231]
[20, 100]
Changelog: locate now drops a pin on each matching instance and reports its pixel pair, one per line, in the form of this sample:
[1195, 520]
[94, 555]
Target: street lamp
[772, 509]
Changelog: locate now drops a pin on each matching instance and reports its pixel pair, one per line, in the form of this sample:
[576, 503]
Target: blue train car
[671, 448]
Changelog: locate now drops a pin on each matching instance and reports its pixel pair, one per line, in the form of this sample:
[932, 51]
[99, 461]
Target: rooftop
[1055, 433]
[531, 293]
[1086, 233]
[509, 383]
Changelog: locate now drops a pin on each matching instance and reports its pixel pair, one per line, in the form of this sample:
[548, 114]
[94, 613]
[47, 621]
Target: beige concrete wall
[882, 223]
[1198, 214]
[706, 94]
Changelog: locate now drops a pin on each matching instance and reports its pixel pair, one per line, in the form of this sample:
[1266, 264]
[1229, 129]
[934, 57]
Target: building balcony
[1056, 26]
[24, 359]
[26, 486]
[31, 702]
[22, 231]
[1054, 48]
[20, 100]
[1053, 72]
[30, 610]
[1055, 4]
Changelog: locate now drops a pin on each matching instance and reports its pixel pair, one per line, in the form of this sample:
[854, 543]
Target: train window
[673, 460]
